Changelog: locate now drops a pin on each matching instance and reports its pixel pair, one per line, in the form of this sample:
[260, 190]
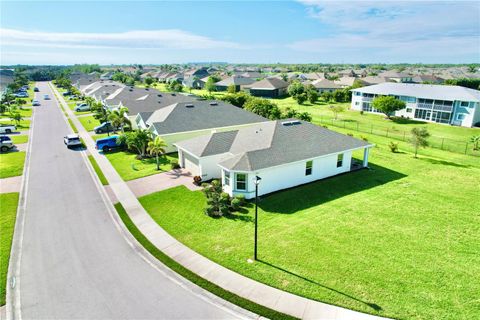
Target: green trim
[189, 275]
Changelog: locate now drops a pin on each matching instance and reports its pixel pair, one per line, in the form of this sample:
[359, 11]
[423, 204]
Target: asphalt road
[74, 262]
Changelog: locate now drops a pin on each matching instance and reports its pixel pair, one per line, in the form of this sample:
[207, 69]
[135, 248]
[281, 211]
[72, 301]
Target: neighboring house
[423, 78]
[107, 76]
[81, 80]
[181, 121]
[194, 82]
[238, 81]
[99, 90]
[369, 80]
[268, 88]
[283, 153]
[197, 73]
[427, 102]
[312, 76]
[324, 85]
[345, 82]
[396, 76]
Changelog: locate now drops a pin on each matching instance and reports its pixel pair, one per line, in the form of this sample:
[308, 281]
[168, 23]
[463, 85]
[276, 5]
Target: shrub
[241, 198]
[362, 112]
[350, 134]
[197, 180]
[364, 138]
[393, 146]
[218, 202]
[174, 164]
[235, 204]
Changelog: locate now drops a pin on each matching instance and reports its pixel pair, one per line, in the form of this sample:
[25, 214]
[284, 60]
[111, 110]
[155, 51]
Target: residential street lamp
[257, 182]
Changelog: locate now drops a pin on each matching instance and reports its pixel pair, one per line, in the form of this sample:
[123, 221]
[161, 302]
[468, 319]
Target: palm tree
[16, 116]
[119, 118]
[156, 147]
[137, 140]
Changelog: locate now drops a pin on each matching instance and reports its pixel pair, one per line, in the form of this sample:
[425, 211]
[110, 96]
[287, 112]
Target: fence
[442, 143]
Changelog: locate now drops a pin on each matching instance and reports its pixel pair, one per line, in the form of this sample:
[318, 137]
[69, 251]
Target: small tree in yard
[336, 109]
[419, 138]
[387, 105]
[210, 84]
[218, 202]
[476, 142]
[312, 95]
[231, 88]
[119, 118]
[156, 147]
[16, 116]
[136, 140]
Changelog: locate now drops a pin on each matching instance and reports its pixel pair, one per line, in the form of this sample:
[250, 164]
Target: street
[74, 261]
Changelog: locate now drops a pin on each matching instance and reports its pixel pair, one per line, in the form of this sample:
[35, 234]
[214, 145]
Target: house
[424, 78]
[283, 153]
[345, 82]
[185, 120]
[238, 81]
[324, 85]
[453, 105]
[194, 82]
[197, 73]
[396, 76]
[312, 76]
[268, 88]
[99, 90]
[107, 76]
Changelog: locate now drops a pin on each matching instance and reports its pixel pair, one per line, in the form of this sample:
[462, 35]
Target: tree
[472, 68]
[175, 86]
[238, 99]
[263, 107]
[119, 118]
[387, 104]
[419, 138]
[476, 142]
[149, 80]
[295, 89]
[218, 202]
[327, 96]
[156, 147]
[136, 140]
[231, 88]
[312, 95]
[210, 84]
[16, 116]
[336, 109]
[301, 98]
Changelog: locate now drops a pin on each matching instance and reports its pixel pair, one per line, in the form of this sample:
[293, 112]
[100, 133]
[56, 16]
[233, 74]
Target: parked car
[46, 97]
[72, 140]
[107, 144]
[104, 127]
[66, 93]
[21, 94]
[35, 103]
[36, 89]
[82, 107]
[7, 128]
[6, 143]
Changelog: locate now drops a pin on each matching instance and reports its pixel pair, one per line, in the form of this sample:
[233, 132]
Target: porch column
[365, 157]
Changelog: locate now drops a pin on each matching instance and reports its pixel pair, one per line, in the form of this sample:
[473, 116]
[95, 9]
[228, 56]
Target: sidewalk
[240, 285]
[12, 184]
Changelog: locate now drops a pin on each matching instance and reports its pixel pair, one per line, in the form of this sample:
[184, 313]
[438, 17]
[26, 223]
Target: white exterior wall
[209, 168]
[290, 175]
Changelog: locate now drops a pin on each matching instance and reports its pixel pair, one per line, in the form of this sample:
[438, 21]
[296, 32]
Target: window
[339, 160]
[464, 104]
[226, 177]
[241, 179]
[460, 116]
[357, 103]
[308, 168]
[409, 109]
[357, 93]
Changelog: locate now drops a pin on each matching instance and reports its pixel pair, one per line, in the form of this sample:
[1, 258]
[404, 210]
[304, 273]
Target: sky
[305, 31]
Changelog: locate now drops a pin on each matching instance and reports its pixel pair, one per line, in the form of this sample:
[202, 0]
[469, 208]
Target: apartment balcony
[426, 106]
[442, 108]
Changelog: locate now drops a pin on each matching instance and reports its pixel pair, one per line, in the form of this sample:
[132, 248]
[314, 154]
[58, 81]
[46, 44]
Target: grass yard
[22, 125]
[89, 122]
[397, 241]
[129, 168]
[11, 164]
[98, 171]
[18, 139]
[8, 212]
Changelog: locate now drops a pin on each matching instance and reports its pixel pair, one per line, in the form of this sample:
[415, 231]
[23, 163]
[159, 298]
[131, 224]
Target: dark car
[36, 89]
[104, 128]
[108, 143]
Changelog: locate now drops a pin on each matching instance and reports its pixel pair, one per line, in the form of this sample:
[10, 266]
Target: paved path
[242, 286]
[72, 259]
[162, 181]
[11, 184]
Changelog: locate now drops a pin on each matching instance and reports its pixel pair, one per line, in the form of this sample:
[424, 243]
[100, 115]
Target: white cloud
[405, 29]
[146, 39]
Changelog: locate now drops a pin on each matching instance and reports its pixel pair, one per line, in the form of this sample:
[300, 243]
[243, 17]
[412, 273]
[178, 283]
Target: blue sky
[113, 32]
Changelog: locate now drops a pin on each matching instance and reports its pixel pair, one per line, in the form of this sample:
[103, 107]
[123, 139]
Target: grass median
[98, 171]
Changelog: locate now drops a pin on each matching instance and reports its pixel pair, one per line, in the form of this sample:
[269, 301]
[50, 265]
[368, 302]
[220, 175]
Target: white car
[7, 128]
[72, 140]
[82, 107]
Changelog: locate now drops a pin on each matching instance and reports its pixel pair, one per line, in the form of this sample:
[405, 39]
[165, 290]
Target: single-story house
[397, 76]
[99, 90]
[324, 85]
[185, 120]
[269, 88]
[193, 82]
[238, 81]
[283, 153]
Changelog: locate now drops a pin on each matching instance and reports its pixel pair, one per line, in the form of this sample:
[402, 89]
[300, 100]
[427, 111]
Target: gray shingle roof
[236, 80]
[270, 144]
[200, 115]
[268, 84]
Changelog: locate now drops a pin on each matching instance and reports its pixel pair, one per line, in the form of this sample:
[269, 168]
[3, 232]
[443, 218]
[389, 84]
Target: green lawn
[443, 136]
[400, 240]
[18, 139]
[11, 164]
[8, 212]
[98, 171]
[89, 122]
[22, 125]
[26, 112]
[129, 168]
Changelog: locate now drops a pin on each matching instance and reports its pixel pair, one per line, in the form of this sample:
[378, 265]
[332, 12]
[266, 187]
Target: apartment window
[308, 168]
[340, 160]
[460, 116]
[358, 93]
[241, 181]
[409, 109]
[357, 103]
[226, 177]
[464, 104]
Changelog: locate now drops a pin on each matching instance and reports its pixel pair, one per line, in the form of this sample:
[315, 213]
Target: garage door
[191, 164]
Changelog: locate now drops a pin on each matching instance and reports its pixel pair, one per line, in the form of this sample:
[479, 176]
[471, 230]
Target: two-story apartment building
[453, 105]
